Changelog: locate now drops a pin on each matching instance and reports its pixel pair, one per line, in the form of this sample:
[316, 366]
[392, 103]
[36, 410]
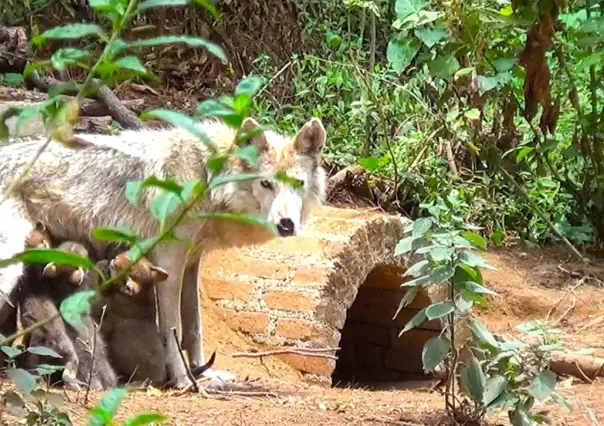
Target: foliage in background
[451, 89]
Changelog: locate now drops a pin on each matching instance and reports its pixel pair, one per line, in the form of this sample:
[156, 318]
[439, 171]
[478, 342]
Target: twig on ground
[312, 352]
[184, 361]
[574, 303]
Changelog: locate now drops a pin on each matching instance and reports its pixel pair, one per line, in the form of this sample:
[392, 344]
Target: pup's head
[74, 276]
[299, 158]
[39, 238]
[142, 277]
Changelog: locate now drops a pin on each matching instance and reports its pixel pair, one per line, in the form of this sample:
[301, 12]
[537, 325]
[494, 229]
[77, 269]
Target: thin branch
[311, 352]
[184, 361]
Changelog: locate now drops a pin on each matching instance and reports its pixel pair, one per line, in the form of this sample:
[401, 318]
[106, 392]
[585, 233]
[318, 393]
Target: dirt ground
[529, 286]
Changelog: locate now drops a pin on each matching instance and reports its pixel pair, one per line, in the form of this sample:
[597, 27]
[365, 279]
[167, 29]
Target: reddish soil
[529, 285]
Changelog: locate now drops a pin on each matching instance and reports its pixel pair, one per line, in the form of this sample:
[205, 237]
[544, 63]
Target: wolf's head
[299, 158]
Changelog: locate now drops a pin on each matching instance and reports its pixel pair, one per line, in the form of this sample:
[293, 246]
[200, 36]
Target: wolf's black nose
[286, 227]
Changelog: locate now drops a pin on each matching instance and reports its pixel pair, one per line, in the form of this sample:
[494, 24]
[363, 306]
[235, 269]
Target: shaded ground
[529, 286]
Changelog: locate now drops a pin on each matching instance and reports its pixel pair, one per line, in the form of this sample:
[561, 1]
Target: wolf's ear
[310, 140]
[158, 274]
[250, 125]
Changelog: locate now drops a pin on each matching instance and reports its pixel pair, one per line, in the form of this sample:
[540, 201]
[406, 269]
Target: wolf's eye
[266, 184]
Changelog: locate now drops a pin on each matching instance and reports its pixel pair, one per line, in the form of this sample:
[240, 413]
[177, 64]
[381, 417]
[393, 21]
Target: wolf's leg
[192, 323]
[171, 257]
[14, 229]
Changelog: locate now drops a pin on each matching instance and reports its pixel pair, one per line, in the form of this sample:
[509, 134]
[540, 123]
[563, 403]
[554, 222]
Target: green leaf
[418, 282]
[404, 8]
[562, 402]
[406, 245]
[495, 386]
[521, 417]
[11, 351]
[475, 239]
[248, 219]
[473, 114]
[188, 40]
[75, 307]
[475, 288]
[43, 351]
[45, 369]
[421, 226]
[67, 56]
[192, 190]
[370, 164]
[418, 269]
[164, 205]
[474, 380]
[444, 66]
[497, 237]
[118, 235]
[222, 180]
[248, 153]
[108, 405]
[434, 352]
[166, 184]
[482, 333]
[183, 121]
[430, 36]
[473, 260]
[543, 385]
[69, 31]
[503, 64]
[211, 107]
[44, 256]
[441, 254]
[24, 380]
[400, 53]
[463, 302]
[439, 310]
[149, 4]
[145, 419]
[250, 86]
[406, 300]
[523, 153]
[417, 319]
[441, 273]
[132, 191]
[487, 83]
[131, 63]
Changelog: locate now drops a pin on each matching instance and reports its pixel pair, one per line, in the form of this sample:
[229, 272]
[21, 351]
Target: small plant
[492, 374]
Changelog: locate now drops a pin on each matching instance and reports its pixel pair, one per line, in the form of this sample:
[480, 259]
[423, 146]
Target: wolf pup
[136, 350]
[36, 305]
[74, 191]
[61, 282]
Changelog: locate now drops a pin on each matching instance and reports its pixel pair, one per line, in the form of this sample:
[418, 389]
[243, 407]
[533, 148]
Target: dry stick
[184, 361]
[542, 215]
[273, 78]
[312, 352]
[571, 290]
[94, 337]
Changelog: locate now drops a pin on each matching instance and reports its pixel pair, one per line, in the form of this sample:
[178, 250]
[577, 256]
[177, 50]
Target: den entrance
[372, 355]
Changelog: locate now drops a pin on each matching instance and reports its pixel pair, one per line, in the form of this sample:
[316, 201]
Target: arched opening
[372, 353]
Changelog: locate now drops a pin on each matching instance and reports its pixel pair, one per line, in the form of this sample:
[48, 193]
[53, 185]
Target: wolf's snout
[286, 227]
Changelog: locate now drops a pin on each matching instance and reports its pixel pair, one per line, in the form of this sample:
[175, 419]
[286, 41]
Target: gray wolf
[74, 191]
[128, 310]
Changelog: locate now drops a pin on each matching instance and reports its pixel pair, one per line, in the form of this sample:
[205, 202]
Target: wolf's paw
[222, 375]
